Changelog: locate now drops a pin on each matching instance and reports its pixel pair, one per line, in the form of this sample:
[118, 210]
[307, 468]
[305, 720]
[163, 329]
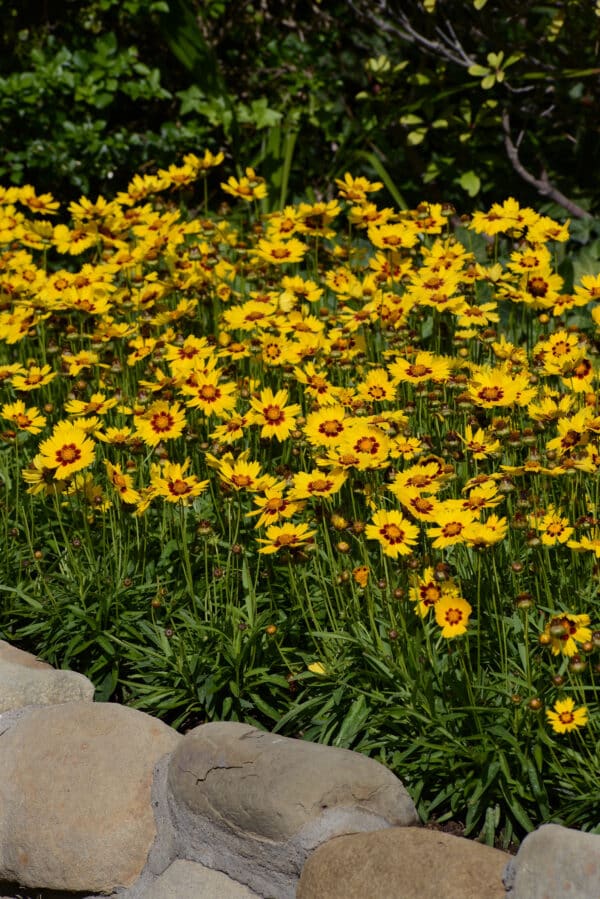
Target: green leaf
[470, 182]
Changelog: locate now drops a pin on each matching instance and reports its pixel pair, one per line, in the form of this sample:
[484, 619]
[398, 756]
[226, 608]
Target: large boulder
[190, 880]
[555, 861]
[25, 680]
[75, 794]
[254, 804]
[407, 862]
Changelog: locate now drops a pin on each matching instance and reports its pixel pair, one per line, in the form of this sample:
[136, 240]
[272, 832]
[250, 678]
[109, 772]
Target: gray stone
[254, 804]
[403, 863]
[555, 862]
[191, 880]
[25, 680]
[75, 795]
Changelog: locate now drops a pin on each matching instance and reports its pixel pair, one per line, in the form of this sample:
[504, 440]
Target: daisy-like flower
[35, 377]
[210, 394]
[566, 631]
[68, 450]
[426, 591]
[564, 717]
[41, 478]
[376, 387]
[486, 533]
[360, 575]
[493, 387]
[250, 187]
[98, 404]
[231, 428]
[25, 419]
[326, 426]
[122, 482]
[369, 444]
[553, 527]
[452, 615]
[239, 473]
[423, 508]
[280, 252]
[171, 481]
[160, 421]
[355, 190]
[286, 536]
[308, 485]
[479, 444]
[271, 413]
[274, 506]
[425, 367]
[451, 522]
[587, 543]
[395, 534]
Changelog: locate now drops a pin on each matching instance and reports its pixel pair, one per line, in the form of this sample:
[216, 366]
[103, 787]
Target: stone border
[100, 799]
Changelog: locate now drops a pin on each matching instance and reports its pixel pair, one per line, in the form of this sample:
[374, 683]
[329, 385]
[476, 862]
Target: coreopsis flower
[451, 523]
[240, 473]
[160, 421]
[249, 187]
[565, 717]
[232, 428]
[275, 418]
[122, 483]
[24, 419]
[35, 377]
[355, 190]
[553, 527]
[360, 575]
[326, 426]
[479, 444]
[171, 481]
[369, 444]
[423, 478]
[67, 450]
[426, 591]
[376, 387]
[286, 536]
[316, 217]
[393, 236]
[486, 533]
[425, 367]
[309, 485]
[423, 508]
[280, 252]
[39, 204]
[395, 534]
[502, 217]
[587, 543]
[494, 387]
[98, 404]
[210, 394]
[274, 506]
[452, 614]
[566, 631]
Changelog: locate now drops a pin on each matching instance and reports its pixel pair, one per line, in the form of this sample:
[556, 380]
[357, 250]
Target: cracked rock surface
[254, 804]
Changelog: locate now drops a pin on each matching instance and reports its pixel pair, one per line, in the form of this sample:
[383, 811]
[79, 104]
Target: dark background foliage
[92, 91]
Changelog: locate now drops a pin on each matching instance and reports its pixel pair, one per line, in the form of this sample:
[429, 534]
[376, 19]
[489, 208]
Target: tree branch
[541, 184]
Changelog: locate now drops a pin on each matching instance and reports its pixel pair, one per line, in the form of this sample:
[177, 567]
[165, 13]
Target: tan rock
[403, 863]
[75, 795]
[25, 680]
[254, 804]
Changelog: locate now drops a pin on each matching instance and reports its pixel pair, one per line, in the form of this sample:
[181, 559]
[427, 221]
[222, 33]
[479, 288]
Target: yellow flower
[566, 631]
[451, 522]
[122, 483]
[308, 485]
[161, 421]
[271, 413]
[564, 717]
[317, 668]
[361, 575]
[170, 481]
[395, 533]
[25, 419]
[68, 450]
[280, 252]
[250, 187]
[286, 536]
[36, 376]
[452, 615]
[274, 506]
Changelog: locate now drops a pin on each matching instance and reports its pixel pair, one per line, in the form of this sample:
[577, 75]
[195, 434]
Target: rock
[190, 880]
[25, 680]
[75, 807]
[254, 804]
[403, 863]
[554, 862]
